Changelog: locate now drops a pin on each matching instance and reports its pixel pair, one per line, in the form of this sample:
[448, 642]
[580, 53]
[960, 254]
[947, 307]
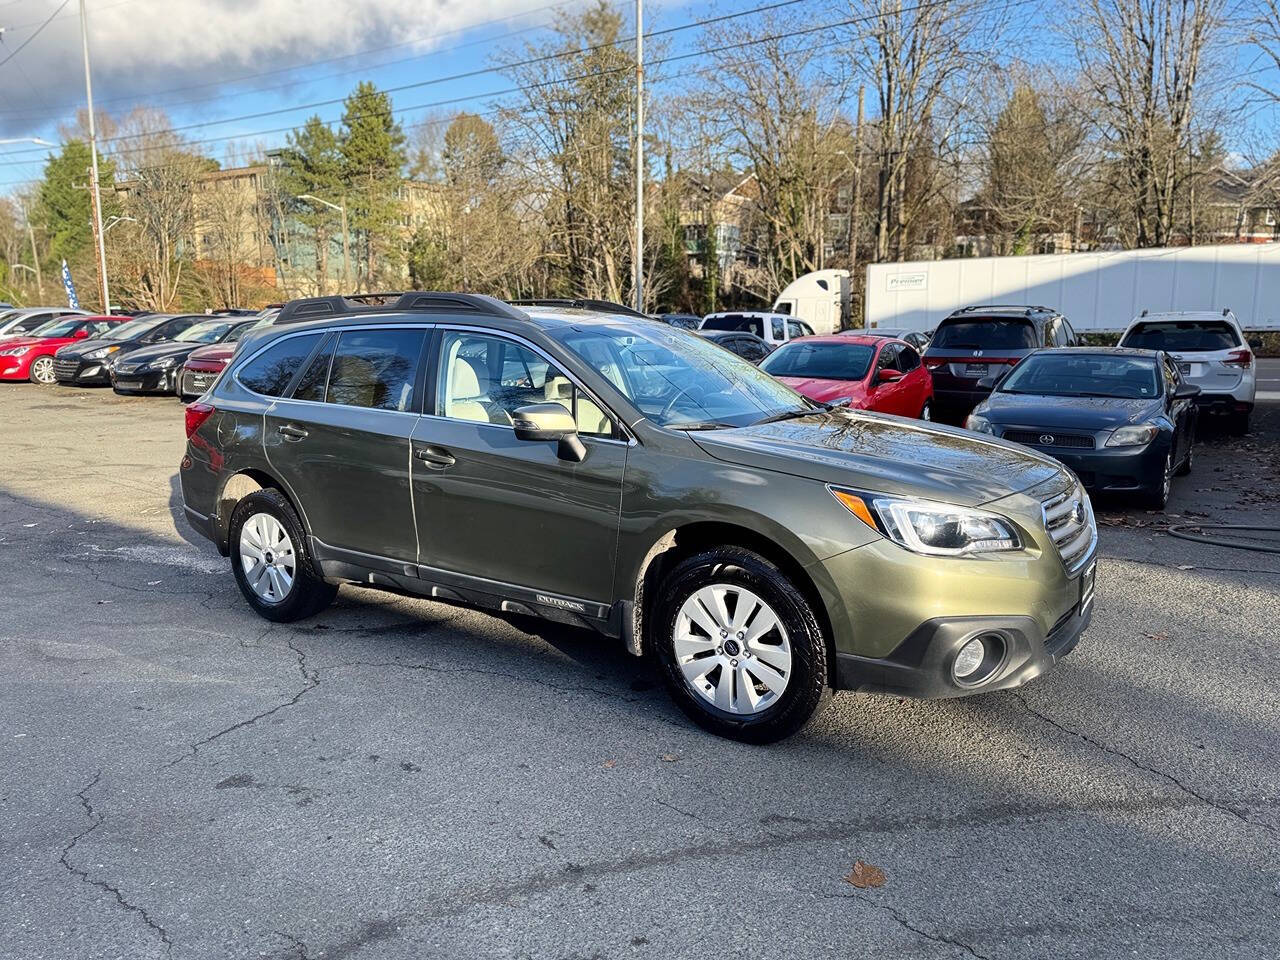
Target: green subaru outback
[621, 474]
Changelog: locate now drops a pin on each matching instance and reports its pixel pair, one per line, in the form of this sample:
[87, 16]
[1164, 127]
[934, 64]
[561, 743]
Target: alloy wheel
[732, 649]
[267, 557]
[926, 412]
[1166, 482]
[42, 370]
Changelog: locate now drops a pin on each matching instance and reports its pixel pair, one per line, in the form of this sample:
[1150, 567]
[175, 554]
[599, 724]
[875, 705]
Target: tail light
[1239, 358]
[197, 414]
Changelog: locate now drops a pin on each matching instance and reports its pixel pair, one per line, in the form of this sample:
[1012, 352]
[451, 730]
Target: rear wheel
[740, 647]
[42, 371]
[926, 412]
[271, 561]
[1189, 460]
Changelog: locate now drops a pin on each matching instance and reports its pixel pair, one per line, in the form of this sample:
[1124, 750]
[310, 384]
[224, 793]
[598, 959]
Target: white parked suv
[774, 328]
[1211, 352]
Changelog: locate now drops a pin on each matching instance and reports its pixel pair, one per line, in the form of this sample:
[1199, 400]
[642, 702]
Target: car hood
[824, 390]
[152, 352]
[1085, 413]
[214, 352]
[884, 454]
[81, 347]
[10, 342]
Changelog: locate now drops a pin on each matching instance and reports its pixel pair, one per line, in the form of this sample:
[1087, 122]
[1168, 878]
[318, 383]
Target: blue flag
[72, 300]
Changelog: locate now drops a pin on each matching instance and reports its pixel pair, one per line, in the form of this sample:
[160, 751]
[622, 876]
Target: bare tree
[159, 196]
[1264, 34]
[1142, 60]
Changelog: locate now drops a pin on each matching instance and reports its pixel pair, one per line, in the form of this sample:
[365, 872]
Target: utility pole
[35, 255]
[855, 210]
[640, 155]
[98, 232]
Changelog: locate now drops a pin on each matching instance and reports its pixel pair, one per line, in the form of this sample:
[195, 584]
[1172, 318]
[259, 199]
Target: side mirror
[1185, 391]
[80, 334]
[889, 376]
[550, 421]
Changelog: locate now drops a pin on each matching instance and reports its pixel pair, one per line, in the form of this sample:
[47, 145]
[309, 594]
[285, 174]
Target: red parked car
[31, 357]
[865, 373]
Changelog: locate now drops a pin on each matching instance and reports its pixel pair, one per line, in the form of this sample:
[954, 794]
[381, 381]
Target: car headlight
[164, 363]
[978, 424]
[14, 352]
[100, 353]
[1136, 436]
[936, 529]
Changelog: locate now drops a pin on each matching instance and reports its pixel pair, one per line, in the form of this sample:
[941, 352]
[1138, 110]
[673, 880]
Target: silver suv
[1211, 352]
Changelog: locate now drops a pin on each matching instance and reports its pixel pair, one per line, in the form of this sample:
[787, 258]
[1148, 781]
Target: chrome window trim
[521, 341]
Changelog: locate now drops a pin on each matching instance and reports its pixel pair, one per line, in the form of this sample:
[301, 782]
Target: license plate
[1184, 368]
[199, 382]
[129, 384]
[978, 370]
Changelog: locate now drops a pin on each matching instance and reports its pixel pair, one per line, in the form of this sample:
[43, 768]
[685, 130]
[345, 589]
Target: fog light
[969, 659]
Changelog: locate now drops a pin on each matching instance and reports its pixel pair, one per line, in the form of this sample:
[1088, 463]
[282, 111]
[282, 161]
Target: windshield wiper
[793, 414]
[701, 425]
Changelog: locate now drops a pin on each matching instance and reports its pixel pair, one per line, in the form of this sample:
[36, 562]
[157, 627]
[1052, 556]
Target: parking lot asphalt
[403, 779]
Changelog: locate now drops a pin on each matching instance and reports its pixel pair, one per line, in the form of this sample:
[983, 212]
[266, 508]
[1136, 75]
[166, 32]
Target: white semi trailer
[820, 299]
[1095, 291]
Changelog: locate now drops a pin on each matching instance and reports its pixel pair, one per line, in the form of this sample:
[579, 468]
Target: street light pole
[93, 149]
[640, 155]
[346, 244]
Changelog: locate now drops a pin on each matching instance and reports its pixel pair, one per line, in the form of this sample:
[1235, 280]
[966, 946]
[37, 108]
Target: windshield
[210, 331]
[824, 361]
[678, 379]
[129, 330]
[683, 321]
[1183, 335]
[986, 333]
[1084, 375]
[64, 327]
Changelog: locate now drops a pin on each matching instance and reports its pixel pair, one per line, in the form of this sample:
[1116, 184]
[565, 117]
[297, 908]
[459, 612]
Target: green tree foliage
[64, 205]
[372, 145]
[313, 164]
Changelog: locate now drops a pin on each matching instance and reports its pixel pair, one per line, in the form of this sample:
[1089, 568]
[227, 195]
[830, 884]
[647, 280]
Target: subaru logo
[1047, 439]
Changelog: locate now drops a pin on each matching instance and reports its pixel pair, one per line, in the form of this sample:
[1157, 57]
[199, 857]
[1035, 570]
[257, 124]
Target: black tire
[1157, 495]
[807, 681]
[308, 594]
[1189, 460]
[926, 412]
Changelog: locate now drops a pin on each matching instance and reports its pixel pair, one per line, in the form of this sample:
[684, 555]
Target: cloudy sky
[206, 60]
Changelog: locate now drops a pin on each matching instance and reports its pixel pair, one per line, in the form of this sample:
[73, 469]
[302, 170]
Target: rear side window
[375, 369]
[736, 321]
[30, 323]
[985, 333]
[270, 371]
[1183, 336]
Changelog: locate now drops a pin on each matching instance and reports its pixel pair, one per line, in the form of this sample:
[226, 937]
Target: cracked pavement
[403, 779]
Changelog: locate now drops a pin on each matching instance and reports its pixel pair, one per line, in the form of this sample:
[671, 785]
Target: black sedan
[746, 345]
[89, 361]
[156, 368]
[1123, 420]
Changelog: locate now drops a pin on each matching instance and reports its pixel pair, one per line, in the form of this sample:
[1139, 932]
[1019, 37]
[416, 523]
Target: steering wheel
[671, 404]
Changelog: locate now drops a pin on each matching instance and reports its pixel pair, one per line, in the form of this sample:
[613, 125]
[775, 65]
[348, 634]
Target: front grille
[194, 382]
[65, 368]
[1044, 438]
[1068, 517]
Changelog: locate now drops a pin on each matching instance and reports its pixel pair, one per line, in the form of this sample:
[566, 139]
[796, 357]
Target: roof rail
[316, 308]
[1226, 311]
[1011, 307]
[578, 303]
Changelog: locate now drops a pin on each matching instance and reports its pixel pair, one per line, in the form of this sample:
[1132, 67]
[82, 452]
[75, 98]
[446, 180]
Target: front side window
[270, 371]
[779, 330]
[375, 369]
[485, 379]
[62, 328]
[908, 359]
[34, 322]
[677, 379]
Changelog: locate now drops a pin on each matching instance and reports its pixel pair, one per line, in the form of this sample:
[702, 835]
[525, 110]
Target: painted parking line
[1268, 395]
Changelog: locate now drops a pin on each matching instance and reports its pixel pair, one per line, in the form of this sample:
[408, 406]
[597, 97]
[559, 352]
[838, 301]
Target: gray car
[633, 478]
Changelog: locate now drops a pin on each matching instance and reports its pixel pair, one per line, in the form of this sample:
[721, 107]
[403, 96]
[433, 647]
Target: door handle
[435, 456]
[290, 432]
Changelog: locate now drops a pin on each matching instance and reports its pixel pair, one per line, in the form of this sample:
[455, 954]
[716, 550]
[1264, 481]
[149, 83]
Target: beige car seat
[591, 419]
[467, 397]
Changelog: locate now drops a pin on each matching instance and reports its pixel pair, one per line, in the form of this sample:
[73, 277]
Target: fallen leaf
[669, 758]
[1157, 637]
[610, 764]
[864, 875]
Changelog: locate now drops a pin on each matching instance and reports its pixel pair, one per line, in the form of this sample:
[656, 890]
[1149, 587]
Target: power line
[471, 74]
[18, 49]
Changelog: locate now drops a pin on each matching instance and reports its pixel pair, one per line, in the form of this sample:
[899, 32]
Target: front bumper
[80, 373]
[1114, 469]
[145, 381]
[15, 368]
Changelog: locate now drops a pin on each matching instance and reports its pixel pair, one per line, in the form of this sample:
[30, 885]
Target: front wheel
[271, 561]
[926, 412]
[1158, 495]
[42, 371]
[740, 648]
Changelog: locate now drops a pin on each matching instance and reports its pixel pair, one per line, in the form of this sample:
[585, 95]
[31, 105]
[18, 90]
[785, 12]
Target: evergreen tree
[64, 204]
[314, 165]
[372, 145]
